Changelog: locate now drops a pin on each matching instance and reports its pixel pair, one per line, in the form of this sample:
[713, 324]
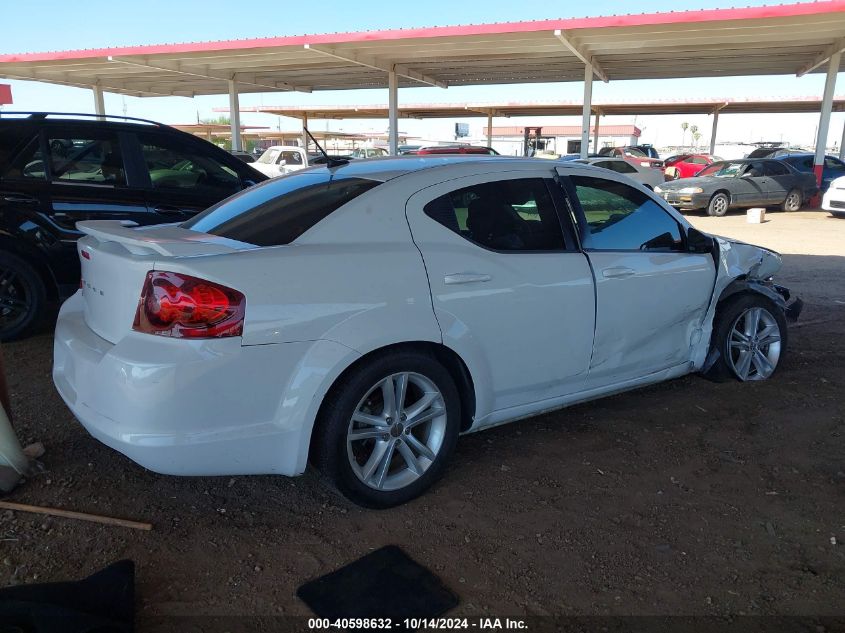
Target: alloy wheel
[793, 202]
[396, 431]
[754, 344]
[720, 205]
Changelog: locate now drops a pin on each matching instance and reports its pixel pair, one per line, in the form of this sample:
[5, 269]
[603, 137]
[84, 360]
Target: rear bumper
[209, 407]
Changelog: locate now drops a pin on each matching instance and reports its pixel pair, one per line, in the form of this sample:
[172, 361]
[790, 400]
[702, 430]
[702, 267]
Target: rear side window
[619, 166]
[278, 211]
[505, 215]
[775, 169]
[86, 160]
[621, 218]
[176, 166]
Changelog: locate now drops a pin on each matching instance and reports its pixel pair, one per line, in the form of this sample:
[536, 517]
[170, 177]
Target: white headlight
[658, 189]
[691, 190]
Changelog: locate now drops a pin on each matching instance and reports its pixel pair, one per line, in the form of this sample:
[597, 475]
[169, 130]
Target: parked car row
[741, 184]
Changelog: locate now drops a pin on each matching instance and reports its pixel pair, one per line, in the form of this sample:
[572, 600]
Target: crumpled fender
[739, 266]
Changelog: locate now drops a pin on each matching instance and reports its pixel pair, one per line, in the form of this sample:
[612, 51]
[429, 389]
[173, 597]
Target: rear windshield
[278, 211]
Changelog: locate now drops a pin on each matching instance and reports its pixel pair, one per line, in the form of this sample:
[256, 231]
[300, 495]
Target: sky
[60, 25]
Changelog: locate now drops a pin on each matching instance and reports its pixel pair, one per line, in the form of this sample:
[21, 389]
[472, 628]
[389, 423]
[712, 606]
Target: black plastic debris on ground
[384, 584]
[104, 602]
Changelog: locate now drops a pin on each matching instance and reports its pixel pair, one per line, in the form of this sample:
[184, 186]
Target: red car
[687, 165]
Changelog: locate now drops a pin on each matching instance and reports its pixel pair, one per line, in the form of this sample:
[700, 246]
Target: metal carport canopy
[766, 40]
[558, 108]
[763, 40]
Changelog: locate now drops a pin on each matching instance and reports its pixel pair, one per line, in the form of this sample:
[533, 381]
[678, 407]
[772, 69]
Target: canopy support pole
[393, 112]
[99, 101]
[585, 113]
[713, 132]
[304, 135]
[596, 133]
[824, 118]
[235, 117]
[489, 129]
[842, 144]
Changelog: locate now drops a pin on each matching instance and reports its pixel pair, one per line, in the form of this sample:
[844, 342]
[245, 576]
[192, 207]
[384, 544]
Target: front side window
[28, 163]
[835, 165]
[278, 211]
[505, 215]
[621, 218]
[81, 159]
[177, 167]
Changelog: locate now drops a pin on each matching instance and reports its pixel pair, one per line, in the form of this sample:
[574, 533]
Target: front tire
[388, 428]
[793, 201]
[22, 297]
[750, 334]
[719, 205]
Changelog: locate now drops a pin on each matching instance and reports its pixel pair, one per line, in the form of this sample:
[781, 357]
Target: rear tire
[750, 335]
[719, 205]
[793, 201]
[22, 297]
[376, 454]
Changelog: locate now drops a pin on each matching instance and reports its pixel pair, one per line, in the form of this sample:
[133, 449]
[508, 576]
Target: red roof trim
[644, 19]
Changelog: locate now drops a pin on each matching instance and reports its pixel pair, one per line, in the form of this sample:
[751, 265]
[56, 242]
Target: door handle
[465, 278]
[166, 210]
[18, 197]
[618, 273]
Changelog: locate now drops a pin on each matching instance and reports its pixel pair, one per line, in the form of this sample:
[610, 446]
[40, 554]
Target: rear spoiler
[165, 239]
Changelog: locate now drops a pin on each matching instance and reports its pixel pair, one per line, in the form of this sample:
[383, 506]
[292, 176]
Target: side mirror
[698, 242]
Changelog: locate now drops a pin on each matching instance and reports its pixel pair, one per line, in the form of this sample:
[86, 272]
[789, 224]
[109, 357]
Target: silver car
[647, 176]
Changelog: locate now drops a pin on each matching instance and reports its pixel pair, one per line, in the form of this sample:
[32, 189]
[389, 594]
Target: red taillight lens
[182, 306]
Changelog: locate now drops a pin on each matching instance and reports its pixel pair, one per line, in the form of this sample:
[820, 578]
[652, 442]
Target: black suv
[57, 169]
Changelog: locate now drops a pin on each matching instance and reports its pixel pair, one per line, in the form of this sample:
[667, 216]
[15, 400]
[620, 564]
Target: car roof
[384, 169]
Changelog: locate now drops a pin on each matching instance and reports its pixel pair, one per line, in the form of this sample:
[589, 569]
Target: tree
[693, 130]
[696, 135]
[684, 127]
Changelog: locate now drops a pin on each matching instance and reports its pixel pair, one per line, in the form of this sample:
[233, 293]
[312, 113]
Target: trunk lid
[115, 258]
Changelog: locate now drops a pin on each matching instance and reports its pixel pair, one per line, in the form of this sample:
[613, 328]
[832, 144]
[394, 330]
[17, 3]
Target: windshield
[632, 151]
[268, 157]
[727, 169]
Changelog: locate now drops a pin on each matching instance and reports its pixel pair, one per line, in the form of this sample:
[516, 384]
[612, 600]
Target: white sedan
[364, 316]
[834, 198]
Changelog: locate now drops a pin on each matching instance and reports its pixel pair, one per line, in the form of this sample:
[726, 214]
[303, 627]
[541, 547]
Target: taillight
[182, 306]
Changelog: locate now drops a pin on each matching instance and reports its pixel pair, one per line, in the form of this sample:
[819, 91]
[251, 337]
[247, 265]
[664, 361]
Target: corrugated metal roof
[783, 104]
[760, 40]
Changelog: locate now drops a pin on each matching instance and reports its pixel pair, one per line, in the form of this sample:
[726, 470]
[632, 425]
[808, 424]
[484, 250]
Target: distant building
[563, 139]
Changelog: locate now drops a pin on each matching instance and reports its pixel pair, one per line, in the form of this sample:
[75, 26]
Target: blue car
[833, 167]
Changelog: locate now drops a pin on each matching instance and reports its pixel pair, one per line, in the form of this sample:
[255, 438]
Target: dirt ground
[687, 498]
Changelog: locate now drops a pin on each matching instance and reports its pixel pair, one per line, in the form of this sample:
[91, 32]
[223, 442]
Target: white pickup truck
[278, 160]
